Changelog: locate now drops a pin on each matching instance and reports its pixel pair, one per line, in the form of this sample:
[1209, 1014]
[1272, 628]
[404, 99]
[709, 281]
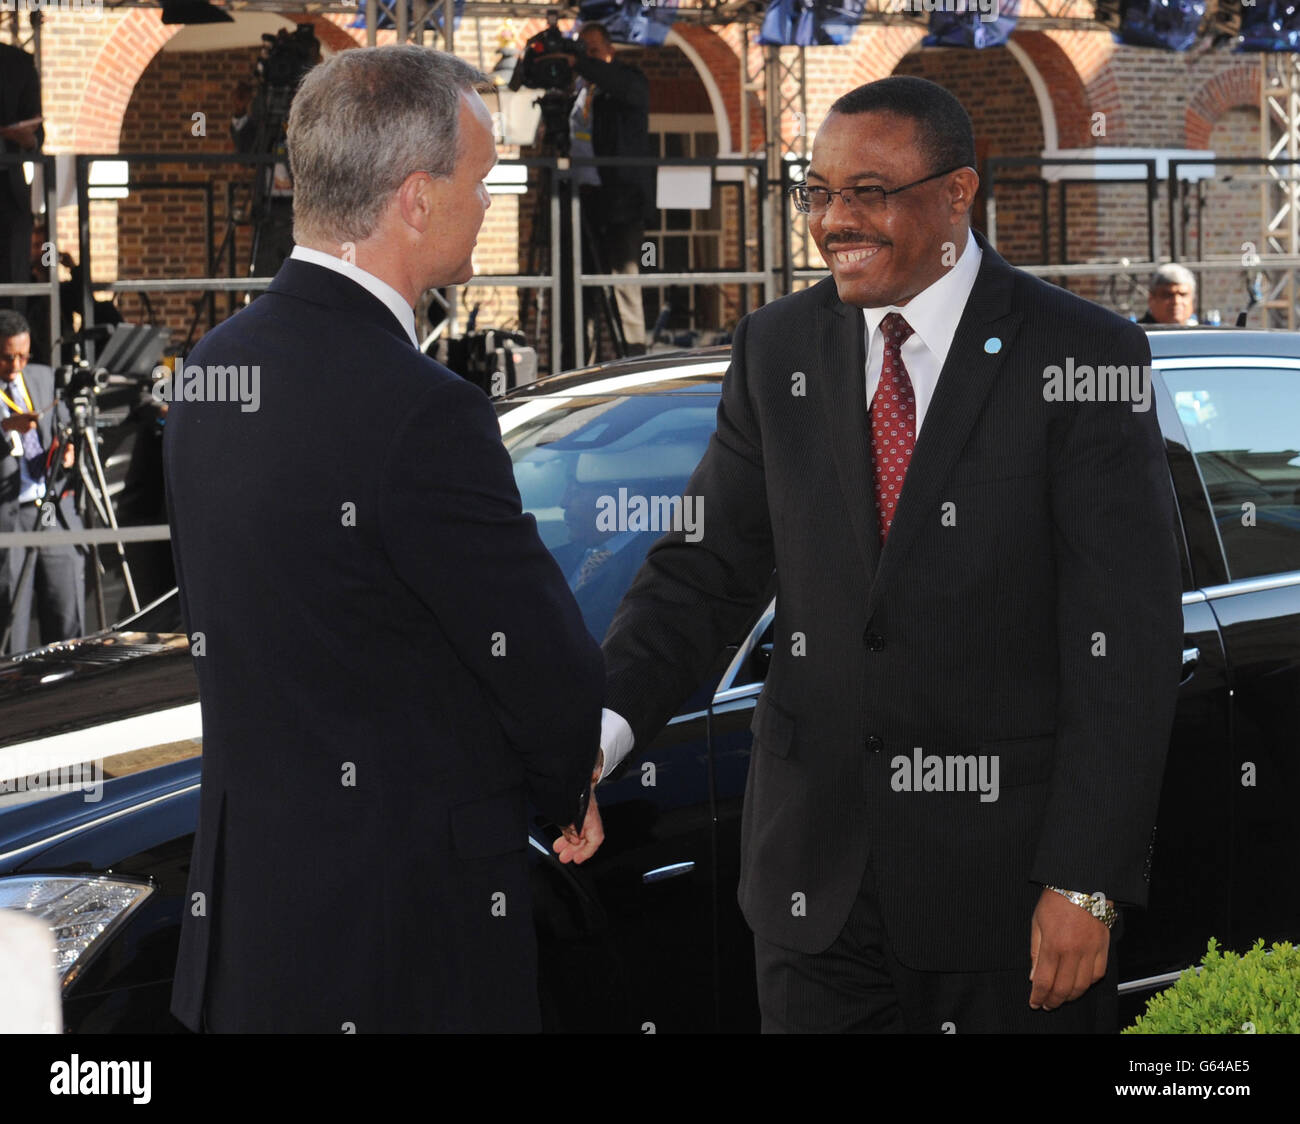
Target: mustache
[851, 239]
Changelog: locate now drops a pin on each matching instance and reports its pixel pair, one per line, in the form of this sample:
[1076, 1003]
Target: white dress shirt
[933, 314]
[29, 490]
[368, 281]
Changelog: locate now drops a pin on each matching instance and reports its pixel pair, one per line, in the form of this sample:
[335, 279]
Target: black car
[648, 936]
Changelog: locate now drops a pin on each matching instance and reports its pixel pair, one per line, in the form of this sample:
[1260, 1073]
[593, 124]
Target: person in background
[21, 131]
[1171, 297]
[611, 117]
[27, 422]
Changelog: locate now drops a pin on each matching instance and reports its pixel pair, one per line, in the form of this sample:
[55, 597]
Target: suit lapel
[964, 383]
[842, 332]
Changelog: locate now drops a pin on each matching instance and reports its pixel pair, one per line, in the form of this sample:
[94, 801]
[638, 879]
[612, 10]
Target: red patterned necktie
[893, 423]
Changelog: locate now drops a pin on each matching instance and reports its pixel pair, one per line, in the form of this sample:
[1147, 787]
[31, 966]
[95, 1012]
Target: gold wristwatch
[1093, 903]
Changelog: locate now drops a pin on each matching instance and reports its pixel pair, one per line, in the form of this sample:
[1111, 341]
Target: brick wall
[107, 89]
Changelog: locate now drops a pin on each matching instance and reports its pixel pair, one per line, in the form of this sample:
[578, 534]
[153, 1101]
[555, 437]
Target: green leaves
[1258, 993]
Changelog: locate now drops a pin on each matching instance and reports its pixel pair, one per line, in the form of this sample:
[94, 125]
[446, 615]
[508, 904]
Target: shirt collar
[935, 311]
[368, 281]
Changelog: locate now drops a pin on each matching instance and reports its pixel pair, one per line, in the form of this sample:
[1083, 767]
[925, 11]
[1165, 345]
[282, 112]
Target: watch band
[1093, 903]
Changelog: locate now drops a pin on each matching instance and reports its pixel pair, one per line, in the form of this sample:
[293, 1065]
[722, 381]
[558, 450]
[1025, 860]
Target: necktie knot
[896, 329]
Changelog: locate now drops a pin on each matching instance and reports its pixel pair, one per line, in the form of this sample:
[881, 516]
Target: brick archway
[125, 54]
[1062, 85]
[877, 50]
[112, 77]
[1232, 89]
[722, 69]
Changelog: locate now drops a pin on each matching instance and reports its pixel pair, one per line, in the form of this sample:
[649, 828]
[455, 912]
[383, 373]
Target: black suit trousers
[857, 985]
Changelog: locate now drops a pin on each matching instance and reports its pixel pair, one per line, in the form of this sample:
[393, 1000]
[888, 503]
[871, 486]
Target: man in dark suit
[56, 574]
[390, 664]
[20, 107]
[961, 736]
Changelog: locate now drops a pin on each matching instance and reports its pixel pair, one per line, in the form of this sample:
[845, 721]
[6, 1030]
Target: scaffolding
[776, 78]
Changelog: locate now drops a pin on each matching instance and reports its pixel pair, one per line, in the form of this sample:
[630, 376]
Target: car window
[1243, 427]
[604, 476]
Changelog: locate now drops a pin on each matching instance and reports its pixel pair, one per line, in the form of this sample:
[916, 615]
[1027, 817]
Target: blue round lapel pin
[992, 345]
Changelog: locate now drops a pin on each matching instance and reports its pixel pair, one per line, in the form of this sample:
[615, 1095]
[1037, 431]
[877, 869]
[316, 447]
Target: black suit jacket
[1025, 530]
[391, 668]
[620, 126]
[20, 100]
[40, 385]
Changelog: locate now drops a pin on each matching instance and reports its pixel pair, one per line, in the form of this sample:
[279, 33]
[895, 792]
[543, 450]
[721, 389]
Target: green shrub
[1258, 993]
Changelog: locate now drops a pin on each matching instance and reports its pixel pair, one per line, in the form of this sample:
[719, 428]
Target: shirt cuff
[616, 739]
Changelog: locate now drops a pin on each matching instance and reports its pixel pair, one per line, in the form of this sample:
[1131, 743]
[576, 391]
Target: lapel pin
[992, 345]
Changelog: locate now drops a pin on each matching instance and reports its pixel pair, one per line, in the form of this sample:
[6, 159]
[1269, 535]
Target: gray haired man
[1171, 296]
[392, 666]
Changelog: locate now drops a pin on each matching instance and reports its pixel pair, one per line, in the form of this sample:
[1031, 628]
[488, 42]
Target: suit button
[875, 642]
[875, 744]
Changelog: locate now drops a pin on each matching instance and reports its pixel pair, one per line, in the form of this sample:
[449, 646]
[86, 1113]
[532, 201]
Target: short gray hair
[1171, 274]
[364, 121]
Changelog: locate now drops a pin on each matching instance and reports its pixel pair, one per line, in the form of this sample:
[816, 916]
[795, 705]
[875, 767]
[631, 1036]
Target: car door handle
[1190, 656]
[663, 873]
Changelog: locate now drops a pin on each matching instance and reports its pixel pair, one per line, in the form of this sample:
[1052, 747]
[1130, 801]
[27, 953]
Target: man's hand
[69, 454]
[18, 423]
[578, 848]
[1067, 951]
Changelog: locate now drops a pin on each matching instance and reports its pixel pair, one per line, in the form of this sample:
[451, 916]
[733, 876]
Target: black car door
[1241, 417]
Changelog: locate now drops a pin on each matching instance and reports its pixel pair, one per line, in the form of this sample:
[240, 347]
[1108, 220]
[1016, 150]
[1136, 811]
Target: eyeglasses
[817, 200]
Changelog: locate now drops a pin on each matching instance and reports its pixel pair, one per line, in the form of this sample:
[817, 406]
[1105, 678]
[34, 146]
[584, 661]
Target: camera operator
[26, 418]
[611, 117]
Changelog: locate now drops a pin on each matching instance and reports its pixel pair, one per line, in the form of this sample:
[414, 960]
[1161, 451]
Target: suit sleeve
[453, 526]
[29, 100]
[690, 599]
[1119, 624]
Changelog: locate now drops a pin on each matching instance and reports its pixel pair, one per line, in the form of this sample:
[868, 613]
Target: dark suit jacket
[20, 100]
[392, 667]
[40, 385]
[974, 638]
[620, 126]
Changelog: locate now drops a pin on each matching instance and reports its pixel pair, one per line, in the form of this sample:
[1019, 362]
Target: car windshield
[604, 475]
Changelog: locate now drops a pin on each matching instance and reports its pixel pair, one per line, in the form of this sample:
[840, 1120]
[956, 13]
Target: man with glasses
[959, 745]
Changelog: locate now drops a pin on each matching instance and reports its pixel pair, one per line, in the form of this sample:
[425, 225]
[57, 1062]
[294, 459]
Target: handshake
[577, 847]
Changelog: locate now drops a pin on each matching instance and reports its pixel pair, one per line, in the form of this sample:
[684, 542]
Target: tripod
[90, 491]
[539, 242]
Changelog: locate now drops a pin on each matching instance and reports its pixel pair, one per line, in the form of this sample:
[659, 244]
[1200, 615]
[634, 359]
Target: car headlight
[79, 911]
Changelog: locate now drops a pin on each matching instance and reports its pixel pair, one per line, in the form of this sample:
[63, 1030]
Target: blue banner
[809, 23]
[631, 21]
[1170, 24]
[1270, 25]
[985, 23]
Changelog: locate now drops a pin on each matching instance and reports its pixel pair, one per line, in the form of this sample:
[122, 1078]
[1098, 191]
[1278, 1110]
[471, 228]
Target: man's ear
[962, 187]
[416, 199]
